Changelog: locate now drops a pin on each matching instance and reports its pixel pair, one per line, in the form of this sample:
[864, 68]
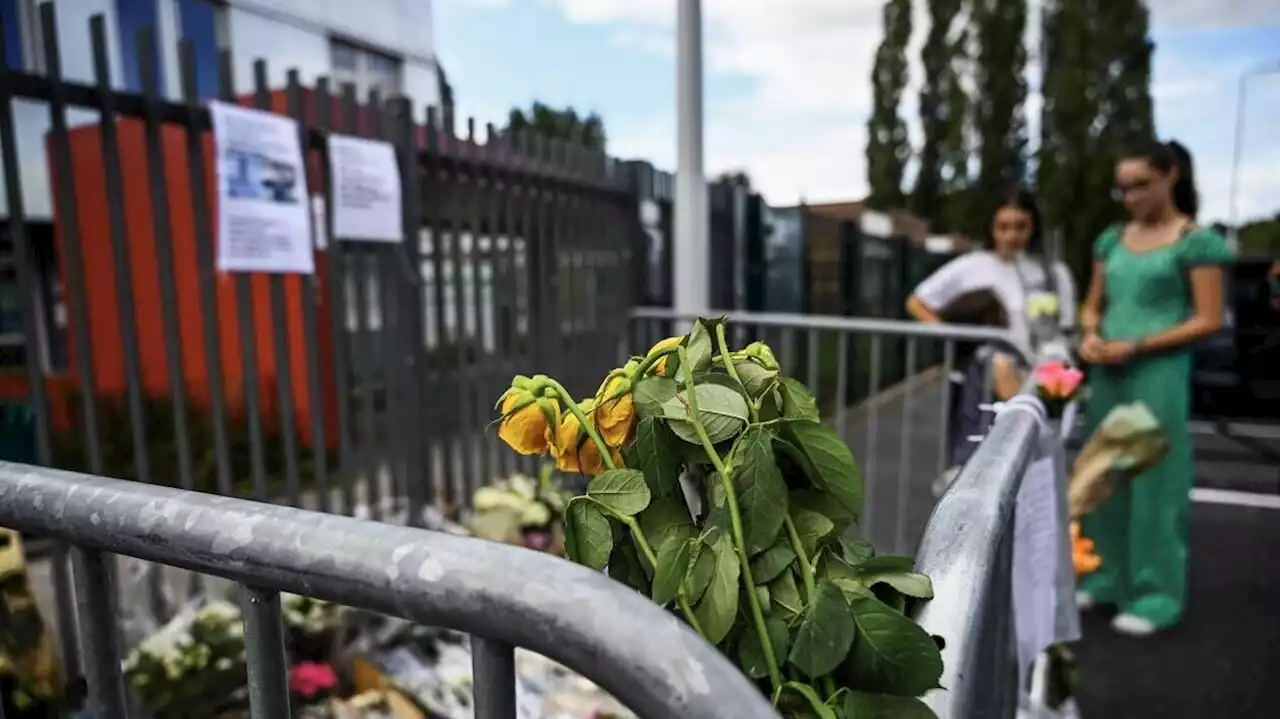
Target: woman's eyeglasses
[1121, 189]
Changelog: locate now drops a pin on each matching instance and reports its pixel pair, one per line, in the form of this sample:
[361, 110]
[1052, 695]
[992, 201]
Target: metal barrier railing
[882, 385]
[503, 596]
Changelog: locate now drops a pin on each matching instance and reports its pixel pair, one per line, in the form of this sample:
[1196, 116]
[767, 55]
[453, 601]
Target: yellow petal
[523, 429]
[615, 418]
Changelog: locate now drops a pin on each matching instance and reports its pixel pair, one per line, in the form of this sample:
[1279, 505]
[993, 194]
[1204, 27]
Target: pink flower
[536, 540]
[310, 678]
[1056, 380]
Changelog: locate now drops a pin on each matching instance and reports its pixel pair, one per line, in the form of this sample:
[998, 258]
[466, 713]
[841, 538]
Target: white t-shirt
[1010, 281]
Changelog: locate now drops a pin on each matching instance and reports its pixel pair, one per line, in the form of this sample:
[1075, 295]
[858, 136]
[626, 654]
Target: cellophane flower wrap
[716, 490]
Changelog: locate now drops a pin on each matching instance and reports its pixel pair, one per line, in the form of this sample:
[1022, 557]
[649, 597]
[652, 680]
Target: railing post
[264, 650]
[493, 670]
[99, 637]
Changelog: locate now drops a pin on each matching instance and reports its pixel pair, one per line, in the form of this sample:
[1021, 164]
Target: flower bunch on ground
[716, 490]
[193, 667]
[522, 510]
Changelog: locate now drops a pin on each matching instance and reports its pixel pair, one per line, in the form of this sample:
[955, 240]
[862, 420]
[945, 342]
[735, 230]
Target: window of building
[23, 44]
[366, 69]
[12, 33]
[203, 22]
[132, 16]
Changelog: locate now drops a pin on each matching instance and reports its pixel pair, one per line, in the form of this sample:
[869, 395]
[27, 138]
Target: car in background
[1237, 372]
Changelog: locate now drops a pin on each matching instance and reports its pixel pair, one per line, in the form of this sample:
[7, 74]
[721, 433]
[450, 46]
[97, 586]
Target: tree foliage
[1097, 106]
[940, 113]
[1000, 78]
[888, 146]
[566, 124]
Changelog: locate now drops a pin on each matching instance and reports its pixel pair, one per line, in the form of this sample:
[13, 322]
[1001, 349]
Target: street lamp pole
[1242, 91]
[691, 249]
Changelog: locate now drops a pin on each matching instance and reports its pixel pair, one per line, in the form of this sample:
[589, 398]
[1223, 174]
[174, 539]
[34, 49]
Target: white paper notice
[264, 218]
[366, 190]
[1042, 574]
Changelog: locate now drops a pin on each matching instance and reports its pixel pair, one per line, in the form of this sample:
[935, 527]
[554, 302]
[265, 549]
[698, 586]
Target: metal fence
[503, 596]
[876, 383]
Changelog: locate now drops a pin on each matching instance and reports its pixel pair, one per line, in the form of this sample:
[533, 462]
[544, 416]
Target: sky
[787, 83]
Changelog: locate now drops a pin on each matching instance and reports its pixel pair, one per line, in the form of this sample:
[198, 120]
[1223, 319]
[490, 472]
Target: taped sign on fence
[366, 190]
[264, 219]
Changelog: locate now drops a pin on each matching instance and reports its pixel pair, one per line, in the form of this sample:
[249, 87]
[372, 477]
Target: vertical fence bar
[337, 304]
[264, 652]
[382, 422]
[842, 380]
[462, 252]
[944, 437]
[207, 289]
[904, 450]
[36, 359]
[493, 670]
[483, 239]
[166, 266]
[247, 328]
[310, 334]
[812, 348]
[280, 329]
[413, 319]
[873, 430]
[119, 245]
[99, 637]
[441, 431]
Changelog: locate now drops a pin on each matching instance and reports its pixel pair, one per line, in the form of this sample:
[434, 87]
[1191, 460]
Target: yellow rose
[573, 449]
[615, 415]
[661, 366]
[527, 421]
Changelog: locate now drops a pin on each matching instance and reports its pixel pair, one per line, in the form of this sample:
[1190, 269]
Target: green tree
[564, 124]
[999, 75]
[1097, 106]
[937, 118]
[1261, 237]
[955, 205]
[446, 89]
[888, 146]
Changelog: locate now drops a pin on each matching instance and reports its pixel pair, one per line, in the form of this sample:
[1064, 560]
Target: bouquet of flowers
[716, 490]
[194, 666]
[1057, 383]
[524, 511]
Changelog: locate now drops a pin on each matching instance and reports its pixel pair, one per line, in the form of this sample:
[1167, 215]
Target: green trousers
[1141, 532]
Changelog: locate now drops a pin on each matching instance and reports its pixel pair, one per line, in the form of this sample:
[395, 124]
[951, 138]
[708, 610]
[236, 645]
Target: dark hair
[1025, 200]
[976, 307]
[1165, 157]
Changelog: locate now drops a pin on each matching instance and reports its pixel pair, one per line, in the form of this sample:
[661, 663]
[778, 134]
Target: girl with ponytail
[1156, 290]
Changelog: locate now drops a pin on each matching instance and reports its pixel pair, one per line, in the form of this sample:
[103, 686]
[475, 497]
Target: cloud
[800, 131]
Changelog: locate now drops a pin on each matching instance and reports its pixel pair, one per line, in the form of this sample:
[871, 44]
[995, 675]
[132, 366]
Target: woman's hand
[1092, 348]
[1117, 352]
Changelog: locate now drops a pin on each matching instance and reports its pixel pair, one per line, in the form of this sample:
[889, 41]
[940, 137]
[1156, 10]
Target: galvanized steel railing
[503, 596]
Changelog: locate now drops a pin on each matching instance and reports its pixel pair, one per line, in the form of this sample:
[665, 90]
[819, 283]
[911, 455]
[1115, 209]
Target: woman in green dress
[1156, 290]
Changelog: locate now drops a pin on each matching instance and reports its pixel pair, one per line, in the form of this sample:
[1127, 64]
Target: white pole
[691, 248]
[1242, 90]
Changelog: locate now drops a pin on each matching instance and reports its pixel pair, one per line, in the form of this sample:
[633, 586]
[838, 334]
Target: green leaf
[893, 654]
[673, 566]
[622, 491]
[751, 654]
[856, 550]
[797, 401]
[654, 453]
[887, 563]
[588, 535]
[811, 698]
[722, 410]
[701, 344]
[825, 633]
[828, 463]
[718, 606]
[825, 504]
[664, 519]
[812, 528]
[843, 576]
[755, 378]
[702, 566]
[770, 564]
[911, 584]
[786, 595]
[650, 393]
[626, 566]
[762, 496]
[865, 705]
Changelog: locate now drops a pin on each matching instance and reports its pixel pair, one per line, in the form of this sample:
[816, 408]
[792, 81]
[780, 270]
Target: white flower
[1042, 304]
[535, 514]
